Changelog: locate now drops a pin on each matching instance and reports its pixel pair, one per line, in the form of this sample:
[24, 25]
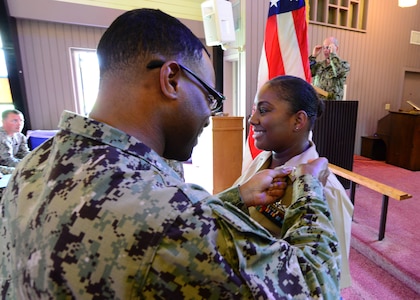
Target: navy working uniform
[98, 214]
[330, 77]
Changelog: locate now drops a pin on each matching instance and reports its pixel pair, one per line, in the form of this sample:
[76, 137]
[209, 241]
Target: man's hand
[265, 187]
[318, 168]
[332, 48]
[317, 49]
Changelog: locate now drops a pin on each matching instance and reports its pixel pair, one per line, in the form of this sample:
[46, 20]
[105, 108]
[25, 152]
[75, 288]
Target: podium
[401, 133]
[216, 161]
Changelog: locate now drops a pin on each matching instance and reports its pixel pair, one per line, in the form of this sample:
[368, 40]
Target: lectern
[217, 158]
[401, 134]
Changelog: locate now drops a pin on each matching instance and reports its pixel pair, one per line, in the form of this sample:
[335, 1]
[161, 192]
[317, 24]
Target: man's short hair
[6, 113]
[142, 34]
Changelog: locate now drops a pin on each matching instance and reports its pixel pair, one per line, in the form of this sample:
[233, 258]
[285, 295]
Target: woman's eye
[262, 110]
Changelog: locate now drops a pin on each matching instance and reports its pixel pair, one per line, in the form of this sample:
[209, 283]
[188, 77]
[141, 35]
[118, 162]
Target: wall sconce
[407, 3]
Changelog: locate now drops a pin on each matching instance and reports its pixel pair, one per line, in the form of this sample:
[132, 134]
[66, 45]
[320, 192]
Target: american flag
[284, 52]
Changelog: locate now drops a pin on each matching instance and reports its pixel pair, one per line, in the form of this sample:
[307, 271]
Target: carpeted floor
[371, 282]
[387, 269]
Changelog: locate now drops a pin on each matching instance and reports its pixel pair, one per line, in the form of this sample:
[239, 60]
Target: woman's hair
[300, 95]
[141, 34]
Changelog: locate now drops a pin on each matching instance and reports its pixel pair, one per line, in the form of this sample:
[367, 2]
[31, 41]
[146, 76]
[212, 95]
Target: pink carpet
[370, 282]
[399, 252]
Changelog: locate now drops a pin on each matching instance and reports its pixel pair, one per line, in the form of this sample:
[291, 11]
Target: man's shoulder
[3, 133]
[340, 59]
[20, 135]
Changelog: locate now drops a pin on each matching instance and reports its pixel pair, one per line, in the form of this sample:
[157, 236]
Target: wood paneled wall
[378, 57]
[378, 60]
[45, 49]
[256, 16]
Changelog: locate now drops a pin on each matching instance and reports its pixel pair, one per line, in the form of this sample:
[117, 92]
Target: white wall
[45, 51]
[62, 12]
[70, 13]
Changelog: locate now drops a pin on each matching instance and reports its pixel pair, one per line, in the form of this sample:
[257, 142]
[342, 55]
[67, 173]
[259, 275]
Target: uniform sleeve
[6, 154]
[313, 64]
[23, 147]
[233, 197]
[340, 67]
[6, 170]
[215, 250]
[342, 212]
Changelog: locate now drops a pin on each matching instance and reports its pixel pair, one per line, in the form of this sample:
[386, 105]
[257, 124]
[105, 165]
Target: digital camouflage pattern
[12, 148]
[330, 77]
[339, 203]
[95, 214]
[6, 170]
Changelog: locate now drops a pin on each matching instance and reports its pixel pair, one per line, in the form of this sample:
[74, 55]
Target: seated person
[13, 143]
[286, 110]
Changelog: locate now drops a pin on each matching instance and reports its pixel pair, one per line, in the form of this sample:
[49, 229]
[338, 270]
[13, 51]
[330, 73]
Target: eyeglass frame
[215, 98]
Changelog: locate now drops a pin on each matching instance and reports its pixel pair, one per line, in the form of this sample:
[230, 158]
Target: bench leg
[352, 191]
[383, 217]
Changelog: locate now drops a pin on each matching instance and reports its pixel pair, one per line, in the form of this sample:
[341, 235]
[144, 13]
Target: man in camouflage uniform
[97, 213]
[329, 74]
[13, 143]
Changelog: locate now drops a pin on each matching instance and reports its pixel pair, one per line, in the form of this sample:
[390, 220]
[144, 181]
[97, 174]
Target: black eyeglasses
[214, 97]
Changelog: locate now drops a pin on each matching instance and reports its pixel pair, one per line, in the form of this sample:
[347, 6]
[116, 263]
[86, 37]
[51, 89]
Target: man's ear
[170, 74]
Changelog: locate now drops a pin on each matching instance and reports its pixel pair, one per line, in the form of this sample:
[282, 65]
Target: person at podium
[286, 110]
[329, 74]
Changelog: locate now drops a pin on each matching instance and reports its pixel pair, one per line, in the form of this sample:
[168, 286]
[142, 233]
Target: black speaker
[334, 134]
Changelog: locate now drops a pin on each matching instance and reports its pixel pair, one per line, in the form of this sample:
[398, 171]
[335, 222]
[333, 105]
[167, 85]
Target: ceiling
[182, 9]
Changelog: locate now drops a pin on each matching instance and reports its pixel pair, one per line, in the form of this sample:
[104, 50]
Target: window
[6, 101]
[347, 14]
[86, 78]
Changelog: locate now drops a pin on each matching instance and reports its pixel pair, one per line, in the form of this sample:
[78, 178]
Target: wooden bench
[384, 189]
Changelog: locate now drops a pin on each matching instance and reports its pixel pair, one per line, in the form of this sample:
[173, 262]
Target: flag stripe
[289, 44]
[272, 48]
[301, 30]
